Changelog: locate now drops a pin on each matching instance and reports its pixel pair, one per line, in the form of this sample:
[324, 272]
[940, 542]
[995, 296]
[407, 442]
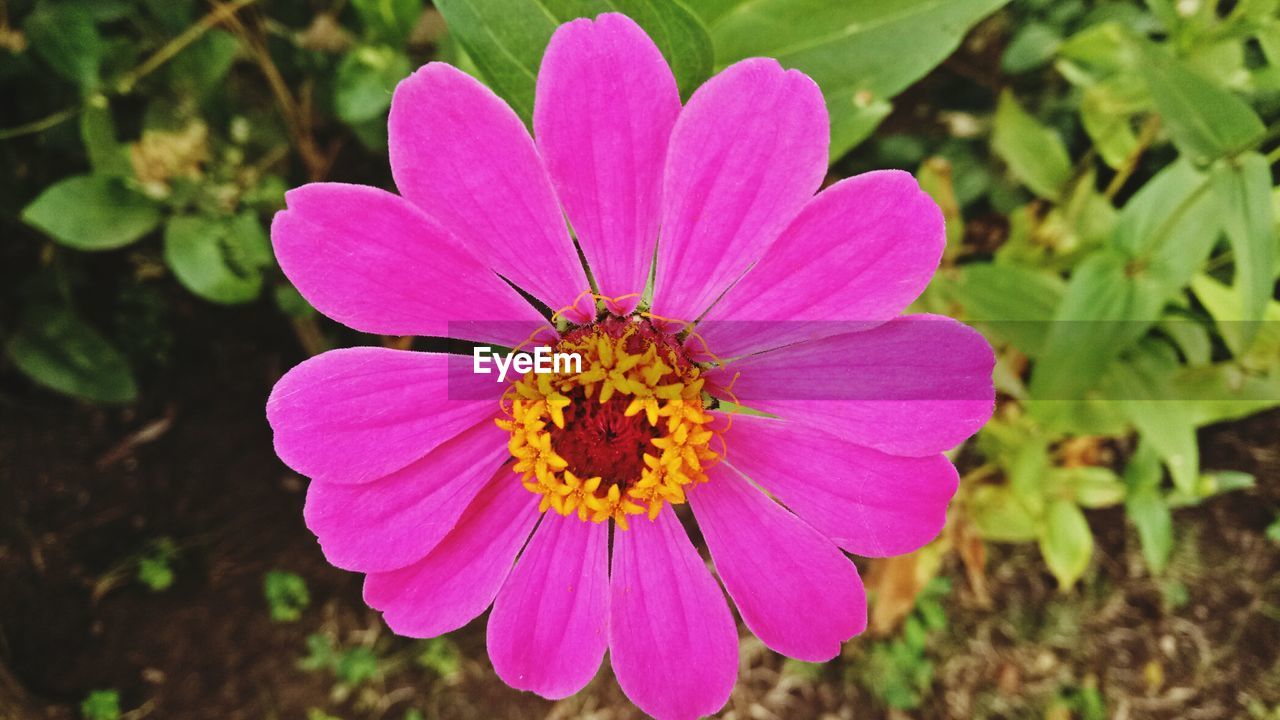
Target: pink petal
[549, 625]
[391, 522]
[358, 414]
[867, 502]
[860, 251]
[461, 154]
[916, 385]
[374, 262]
[746, 153]
[794, 589]
[672, 640]
[460, 577]
[606, 102]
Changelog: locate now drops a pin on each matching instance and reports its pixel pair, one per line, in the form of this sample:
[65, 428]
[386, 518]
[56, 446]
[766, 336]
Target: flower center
[622, 436]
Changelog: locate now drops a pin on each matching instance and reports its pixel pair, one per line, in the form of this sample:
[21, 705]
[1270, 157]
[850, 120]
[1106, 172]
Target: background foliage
[1106, 169]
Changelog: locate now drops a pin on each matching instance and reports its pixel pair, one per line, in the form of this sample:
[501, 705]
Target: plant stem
[1145, 137]
[179, 43]
[38, 126]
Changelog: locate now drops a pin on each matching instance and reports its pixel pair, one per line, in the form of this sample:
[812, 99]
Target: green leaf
[1033, 152]
[356, 665]
[64, 35]
[999, 516]
[1150, 515]
[1168, 229]
[1102, 313]
[155, 567]
[58, 350]
[1089, 486]
[1066, 542]
[1144, 386]
[1205, 120]
[1097, 52]
[107, 155]
[200, 68]
[506, 38]
[366, 77]
[867, 48]
[1106, 112]
[388, 21]
[1032, 45]
[1243, 191]
[1224, 391]
[1161, 239]
[1143, 470]
[440, 655]
[286, 595]
[1014, 303]
[1191, 337]
[219, 259]
[91, 212]
[1255, 350]
[101, 705]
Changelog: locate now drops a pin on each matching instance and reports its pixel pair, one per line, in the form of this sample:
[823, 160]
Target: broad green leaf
[1033, 152]
[1103, 312]
[999, 516]
[1143, 469]
[107, 155]
[1144, 389]
[366, 77]
[1089, 486]
[1032, 45]
[1243, 190]
[58, 350]
[202, 66]
[1027, 471]
[1066, 542]
[1150, 515]
[711, 10]
[65, 36]
[91, 212]
[1106, 112]
[1096, 53]
[1268, 36]
[219, 259]
[1146, 508]
[1191, 337]
[1166, 232]
[1013, 303]
[1206, 121]
[1224, 391]
[851, 48]
[506, 38]
[1255, 345]
[854, 121]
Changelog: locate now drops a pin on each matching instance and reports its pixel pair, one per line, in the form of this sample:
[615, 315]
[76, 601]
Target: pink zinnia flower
[449, 512]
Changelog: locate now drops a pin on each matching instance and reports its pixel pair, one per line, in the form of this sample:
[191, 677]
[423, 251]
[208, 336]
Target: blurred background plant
[1107, 172]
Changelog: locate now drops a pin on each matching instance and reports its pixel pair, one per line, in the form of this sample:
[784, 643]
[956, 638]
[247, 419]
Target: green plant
[899, 672]
[1132, 302]
[286, 595]
[101, 705]
[155, 565]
